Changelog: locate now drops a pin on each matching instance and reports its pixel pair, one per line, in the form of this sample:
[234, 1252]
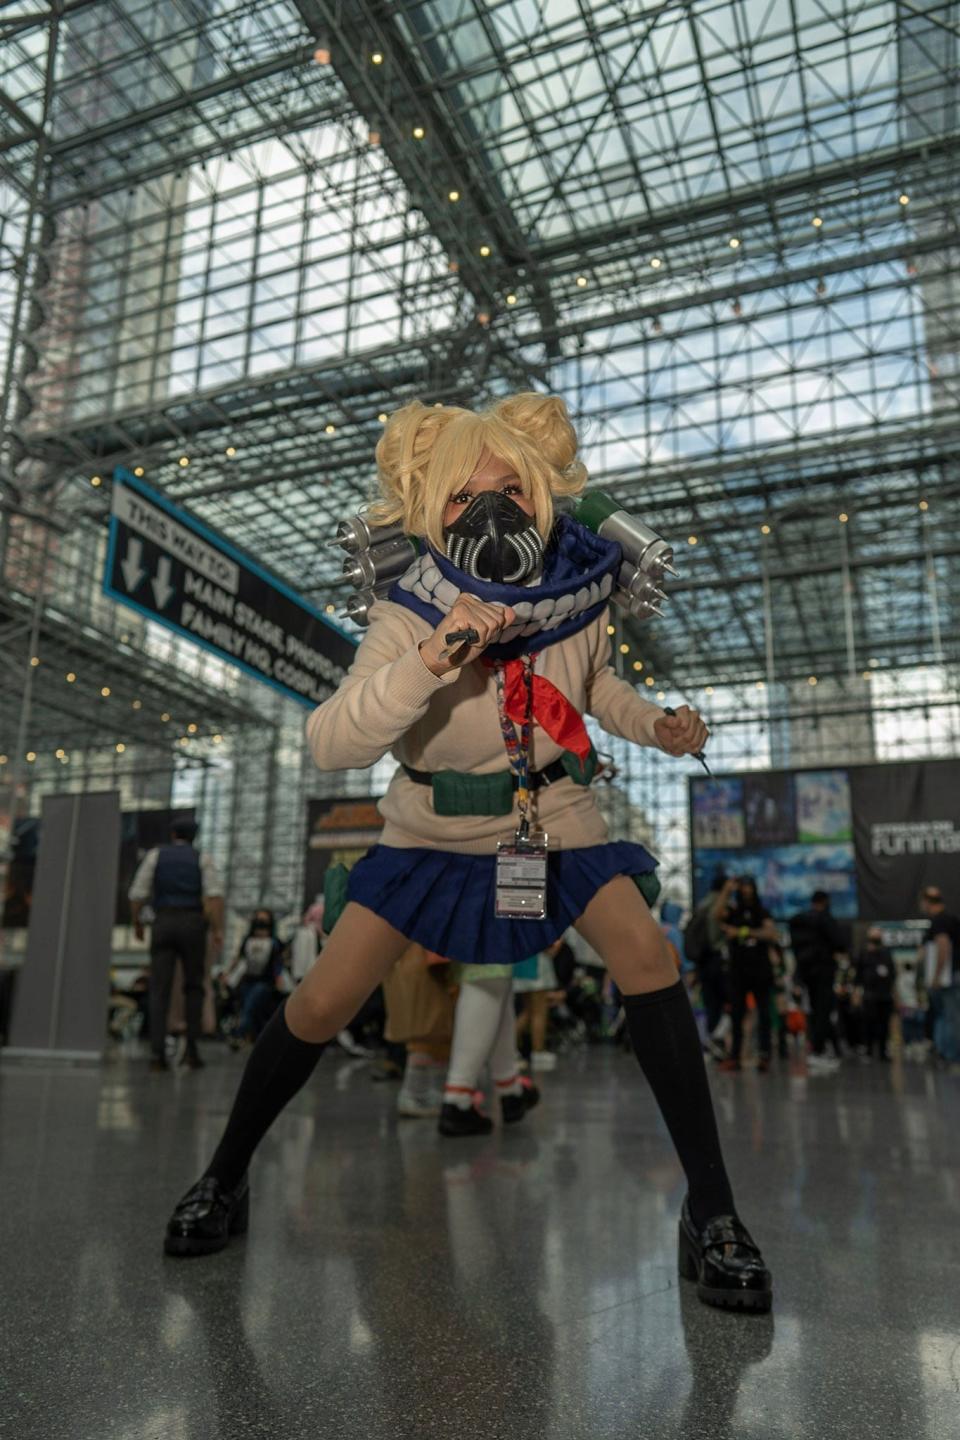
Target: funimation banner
[906, 826]
[869, 835]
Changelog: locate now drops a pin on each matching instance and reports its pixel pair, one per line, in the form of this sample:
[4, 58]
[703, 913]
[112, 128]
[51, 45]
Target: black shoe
[206, 1217]
[158, 1065]
[514, 1107]
[456, 1121]
[191, 1058]
[725, 1263]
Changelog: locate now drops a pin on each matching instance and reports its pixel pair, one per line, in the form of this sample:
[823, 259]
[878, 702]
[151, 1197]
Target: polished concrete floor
[398, 1285]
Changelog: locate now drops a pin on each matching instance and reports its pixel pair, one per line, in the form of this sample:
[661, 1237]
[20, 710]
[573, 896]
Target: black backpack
[696, 935]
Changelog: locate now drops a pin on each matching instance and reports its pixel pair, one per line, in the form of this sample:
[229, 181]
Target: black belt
[549, 775]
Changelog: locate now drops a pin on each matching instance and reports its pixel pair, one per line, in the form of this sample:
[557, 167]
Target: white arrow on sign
[162, 589]
[132, 565]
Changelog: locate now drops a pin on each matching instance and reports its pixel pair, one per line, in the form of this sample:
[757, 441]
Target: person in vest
[488, 730]
[184, 891]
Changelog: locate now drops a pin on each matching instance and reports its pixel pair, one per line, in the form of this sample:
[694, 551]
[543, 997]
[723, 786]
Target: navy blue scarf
[580, 571]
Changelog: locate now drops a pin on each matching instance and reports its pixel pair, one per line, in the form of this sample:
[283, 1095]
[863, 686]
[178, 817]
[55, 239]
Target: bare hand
[467, 613]
[683, 733]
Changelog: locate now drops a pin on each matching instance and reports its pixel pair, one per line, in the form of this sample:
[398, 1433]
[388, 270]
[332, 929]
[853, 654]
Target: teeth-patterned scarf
[579, 573]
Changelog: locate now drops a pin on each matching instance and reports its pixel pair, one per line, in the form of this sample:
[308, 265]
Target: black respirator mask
[495, 540]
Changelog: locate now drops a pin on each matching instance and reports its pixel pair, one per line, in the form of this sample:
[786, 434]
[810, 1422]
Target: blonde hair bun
[427, 453]
[544, 418]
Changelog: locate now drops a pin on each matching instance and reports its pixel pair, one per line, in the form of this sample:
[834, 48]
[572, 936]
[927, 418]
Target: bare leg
[361, 951]
[540, 1010]
[619, 926]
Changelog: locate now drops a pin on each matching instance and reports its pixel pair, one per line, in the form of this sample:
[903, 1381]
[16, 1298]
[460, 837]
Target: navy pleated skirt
[445, 901]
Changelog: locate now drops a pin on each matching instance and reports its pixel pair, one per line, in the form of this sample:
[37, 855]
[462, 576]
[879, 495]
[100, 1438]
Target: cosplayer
[492, 844]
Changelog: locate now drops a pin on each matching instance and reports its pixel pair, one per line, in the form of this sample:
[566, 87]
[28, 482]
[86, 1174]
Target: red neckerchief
[552, 710]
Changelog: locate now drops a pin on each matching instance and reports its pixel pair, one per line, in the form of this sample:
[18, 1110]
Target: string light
[120, 747]
[192, 728]
[3, 759]
[453, 196]
[183, 740]
[165, 717]
[376, 58]
[691, 539]
[321, 55]
[656, 262]
[734, 242]
[34, 661]
[816, 222]
[624, 649]
[138, 470]
[418, 132]
[60, 753]
[811, 679]
[764, 529]
[230, 452]
[661, 694]
[31, 756]
[485, 251]
[330, 429]
[483, 317]
[104, 691]
[330, 609]
[511, 299]
[218, 739]
[581, 282]
[70, 677]
[924, 505]
[904, 199]
[184, 461]
[137, 705]
[611, 629]
[650, 681]
[843, 517]
[382, 417]
[709, 690]
[761, 685]
[95, 481]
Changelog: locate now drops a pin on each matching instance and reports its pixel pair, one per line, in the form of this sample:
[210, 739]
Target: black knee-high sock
[666, 1042]
[278, 1067]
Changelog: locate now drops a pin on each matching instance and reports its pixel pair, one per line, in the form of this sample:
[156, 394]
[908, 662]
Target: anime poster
[718, 818]
[787, 875]
[823, 806]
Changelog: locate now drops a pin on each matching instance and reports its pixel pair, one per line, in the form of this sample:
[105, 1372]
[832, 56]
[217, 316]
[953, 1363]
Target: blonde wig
[428, 453]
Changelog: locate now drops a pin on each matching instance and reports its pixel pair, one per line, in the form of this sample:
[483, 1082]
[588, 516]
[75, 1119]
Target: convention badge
[521, 888]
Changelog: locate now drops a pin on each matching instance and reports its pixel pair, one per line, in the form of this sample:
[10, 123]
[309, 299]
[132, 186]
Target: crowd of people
[810, 982]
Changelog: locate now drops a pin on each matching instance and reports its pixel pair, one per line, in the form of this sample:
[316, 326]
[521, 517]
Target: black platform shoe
[725, 1263]
[206, 1217]
[454, 1120]
[191, 1057]
[514, 1107]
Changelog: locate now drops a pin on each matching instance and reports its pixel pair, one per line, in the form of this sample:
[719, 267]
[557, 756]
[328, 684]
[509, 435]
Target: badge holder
[522, 875]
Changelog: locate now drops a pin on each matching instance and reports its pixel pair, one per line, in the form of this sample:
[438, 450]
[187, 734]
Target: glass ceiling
[726, 233]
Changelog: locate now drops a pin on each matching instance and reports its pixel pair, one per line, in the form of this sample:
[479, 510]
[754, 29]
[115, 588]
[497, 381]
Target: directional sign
[174, 569]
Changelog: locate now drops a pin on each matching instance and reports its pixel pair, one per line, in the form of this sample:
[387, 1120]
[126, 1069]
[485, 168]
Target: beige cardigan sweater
[390, 701]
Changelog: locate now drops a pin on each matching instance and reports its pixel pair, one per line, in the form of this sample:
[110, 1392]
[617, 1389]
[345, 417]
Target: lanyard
[518, 746]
